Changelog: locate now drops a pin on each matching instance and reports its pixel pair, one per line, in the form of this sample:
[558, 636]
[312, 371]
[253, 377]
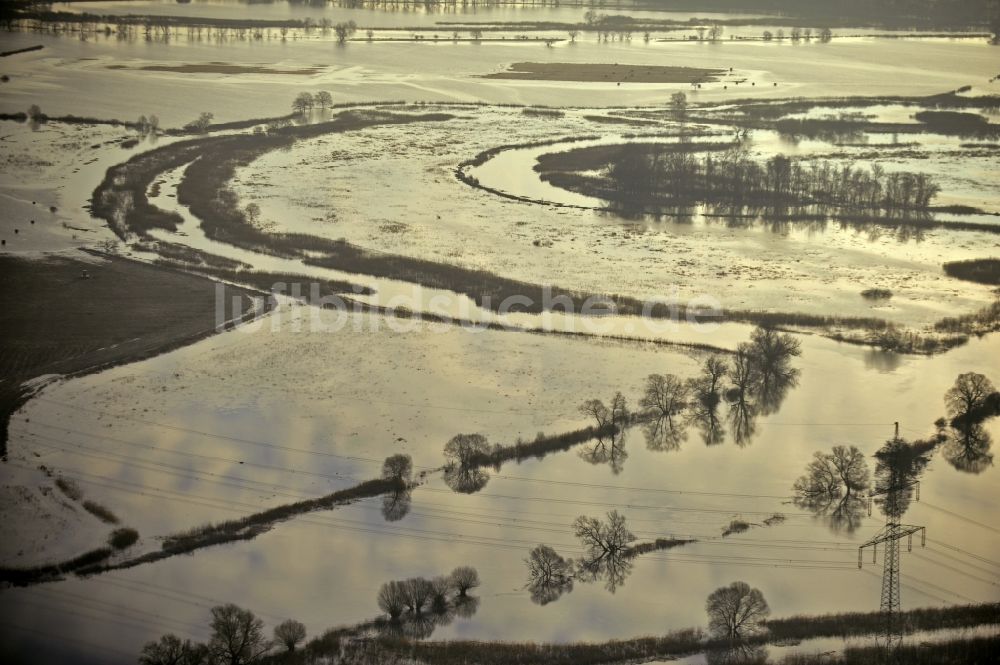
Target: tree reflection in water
[738, 653]
[968, 449]
[396, 506]
[609, 449]
[705, 417]
[413, 626]
[899, 466]
[466, 480]
[832, 488]
[664, 434]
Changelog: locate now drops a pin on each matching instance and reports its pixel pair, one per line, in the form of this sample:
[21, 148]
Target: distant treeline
[895, 13]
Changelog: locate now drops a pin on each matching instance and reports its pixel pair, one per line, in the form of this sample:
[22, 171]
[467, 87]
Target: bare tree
[665, 396]
[441, 587]
[392, 598]
[820, 479]
[302, 103]
[397, 467]
[595, 409]
[202, 124]
[344, 31]
[736, 611]
[467, 450]
[549, 574]
[418, 591]
[170, 650]
[710, 382]
[289, 633]
[850, 464]
[619, 411]
[237, 636]
[968, 449]
[744, 373]
[968, 395]
[842, 471]
[252, 213]
[323, 99]
[573, 35]
[678, 105]
[464, 578]
[601, 539]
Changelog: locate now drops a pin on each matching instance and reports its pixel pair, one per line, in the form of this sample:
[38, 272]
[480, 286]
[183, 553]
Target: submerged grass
[690, 641]
[981, 271]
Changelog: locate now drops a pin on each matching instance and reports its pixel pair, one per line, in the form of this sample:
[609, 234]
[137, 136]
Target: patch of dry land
[597, 72]
[220, 68]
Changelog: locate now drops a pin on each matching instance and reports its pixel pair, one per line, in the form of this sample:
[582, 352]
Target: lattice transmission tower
[891, 634]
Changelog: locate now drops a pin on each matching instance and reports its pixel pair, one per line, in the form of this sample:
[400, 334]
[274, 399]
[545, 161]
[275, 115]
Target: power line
[643, 489]
[961, 517]
[147, 446]
[956, 570]
[960, 561]
[509, 544]
[965, 552]
[100, 605]
[620, 505]
[211, 434]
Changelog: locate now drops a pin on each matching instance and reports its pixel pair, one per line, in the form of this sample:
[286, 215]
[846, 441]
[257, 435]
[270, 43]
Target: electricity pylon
[892, 631]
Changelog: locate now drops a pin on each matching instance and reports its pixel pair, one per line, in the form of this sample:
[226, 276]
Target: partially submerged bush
[100, 512]
[876, 294]
[122, 538]
[736, 526]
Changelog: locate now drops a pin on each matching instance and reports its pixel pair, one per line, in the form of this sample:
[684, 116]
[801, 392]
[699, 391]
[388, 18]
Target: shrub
[122, 538]
[876, 294]
[69, 488]
[100, 512]
[736, 526]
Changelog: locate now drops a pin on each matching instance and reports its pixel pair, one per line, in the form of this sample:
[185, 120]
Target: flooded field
[476, 233]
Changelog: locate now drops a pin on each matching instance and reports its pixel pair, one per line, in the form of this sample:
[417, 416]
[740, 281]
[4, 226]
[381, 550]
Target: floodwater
[448, 71]
[200, 406]
[307, 401]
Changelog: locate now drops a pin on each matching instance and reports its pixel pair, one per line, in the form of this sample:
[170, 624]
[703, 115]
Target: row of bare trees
[415, 595]
[306, 101]
[753, 382]
[732, 177]
[238, 638]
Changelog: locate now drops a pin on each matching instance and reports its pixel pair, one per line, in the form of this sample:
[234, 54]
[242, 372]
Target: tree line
[734, 179]
[753, 383]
